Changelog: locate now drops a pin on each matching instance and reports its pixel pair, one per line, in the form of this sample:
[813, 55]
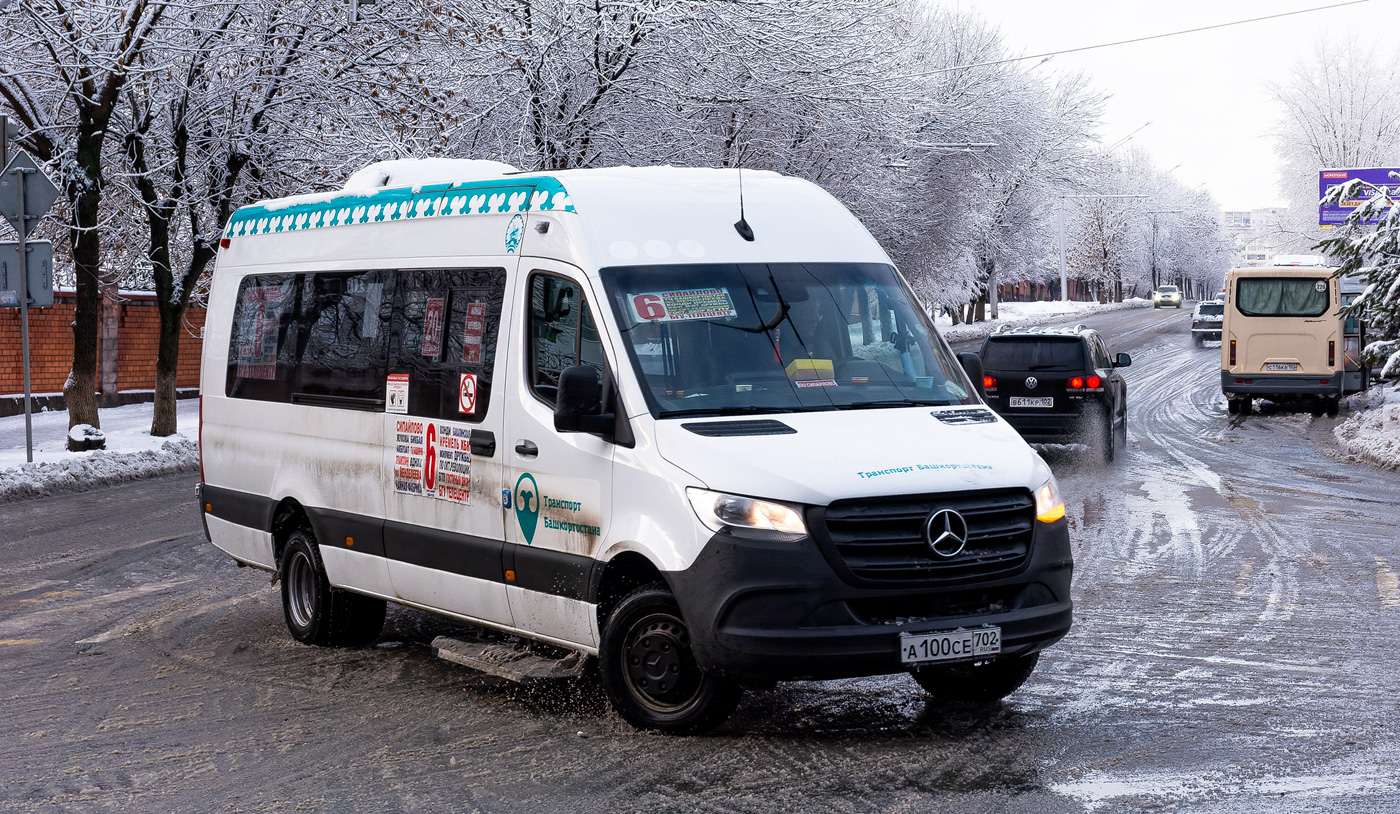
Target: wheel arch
[288, 516]
[621, 575]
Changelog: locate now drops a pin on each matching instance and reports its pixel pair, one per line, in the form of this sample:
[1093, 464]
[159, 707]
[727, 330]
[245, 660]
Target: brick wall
[51, 345]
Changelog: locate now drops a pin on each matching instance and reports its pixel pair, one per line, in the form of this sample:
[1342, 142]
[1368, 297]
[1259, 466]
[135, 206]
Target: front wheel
[316, 613]
[981, 681]
[648, 669]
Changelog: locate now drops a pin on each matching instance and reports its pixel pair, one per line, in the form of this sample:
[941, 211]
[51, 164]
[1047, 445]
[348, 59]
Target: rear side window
[1212, 309]
[1037, 353]
[1281, 296]
[314, 338]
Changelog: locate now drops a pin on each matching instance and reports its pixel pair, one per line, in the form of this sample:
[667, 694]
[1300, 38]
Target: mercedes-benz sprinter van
[590, 408]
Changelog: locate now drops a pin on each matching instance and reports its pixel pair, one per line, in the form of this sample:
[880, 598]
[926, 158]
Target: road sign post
[23, 202]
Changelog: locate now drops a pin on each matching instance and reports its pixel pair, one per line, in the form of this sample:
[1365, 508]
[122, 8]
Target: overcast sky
[1204, 93]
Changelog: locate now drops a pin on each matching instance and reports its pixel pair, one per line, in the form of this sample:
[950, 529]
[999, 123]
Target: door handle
[526, 448]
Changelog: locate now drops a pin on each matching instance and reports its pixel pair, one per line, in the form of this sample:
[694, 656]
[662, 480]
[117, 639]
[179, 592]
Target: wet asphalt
[1236, 621]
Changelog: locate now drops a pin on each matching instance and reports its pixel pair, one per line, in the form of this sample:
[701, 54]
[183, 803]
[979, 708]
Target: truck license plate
[1281, 366]
[1045, 401]
[958, 645]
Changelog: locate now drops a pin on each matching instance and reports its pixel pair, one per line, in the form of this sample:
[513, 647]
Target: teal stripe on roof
[497, 196]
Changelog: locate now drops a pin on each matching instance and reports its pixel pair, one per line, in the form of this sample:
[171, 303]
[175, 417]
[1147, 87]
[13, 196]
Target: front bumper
[1279, 385]
[772, 611]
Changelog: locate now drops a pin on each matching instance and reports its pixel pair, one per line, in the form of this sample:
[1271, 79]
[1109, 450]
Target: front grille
[881, 540]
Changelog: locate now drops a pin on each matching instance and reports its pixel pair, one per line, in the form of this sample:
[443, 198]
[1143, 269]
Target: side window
[262, 354]
[562, 333]
[1101, 359]
[340, 324]
[445, 327]
[309, 338]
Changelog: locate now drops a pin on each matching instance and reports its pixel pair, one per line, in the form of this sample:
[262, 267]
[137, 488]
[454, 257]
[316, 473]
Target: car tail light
[989, 383]
[1095, 381]
[1232, 353]
[1076, 383]
[1331, 353]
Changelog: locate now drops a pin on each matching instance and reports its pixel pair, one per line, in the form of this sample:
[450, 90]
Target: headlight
[759, 518]
[1049, 506]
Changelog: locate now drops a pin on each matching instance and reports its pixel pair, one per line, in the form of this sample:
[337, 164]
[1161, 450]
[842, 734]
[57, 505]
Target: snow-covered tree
[1340, 108]
[64, 70]
[1371, 251]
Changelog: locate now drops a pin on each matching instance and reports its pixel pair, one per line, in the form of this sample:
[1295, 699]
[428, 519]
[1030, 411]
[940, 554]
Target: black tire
[1123, 427]
[981, 681]
[1334, 406]
[1232, 405]
[315, 612]
[1101, 435]
[1246, 406]
[1198, 340]
[649, 673]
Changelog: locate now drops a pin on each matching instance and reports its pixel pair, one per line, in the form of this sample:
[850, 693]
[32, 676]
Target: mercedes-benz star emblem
[946, 532]
[1031, 382]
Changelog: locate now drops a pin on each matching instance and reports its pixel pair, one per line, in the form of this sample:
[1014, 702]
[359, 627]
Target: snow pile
[131, 451]
[1031, 313]
[80, 473]
[1373, 432]
[417, 172]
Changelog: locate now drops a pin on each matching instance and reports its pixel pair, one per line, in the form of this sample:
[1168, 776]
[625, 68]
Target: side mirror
[1123, 360]
[972, 366]
[578, 403]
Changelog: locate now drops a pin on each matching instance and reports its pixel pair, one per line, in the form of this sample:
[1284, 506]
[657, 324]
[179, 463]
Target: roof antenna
[742, 226]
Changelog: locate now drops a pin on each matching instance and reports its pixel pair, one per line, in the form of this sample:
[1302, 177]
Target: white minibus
[710, 441]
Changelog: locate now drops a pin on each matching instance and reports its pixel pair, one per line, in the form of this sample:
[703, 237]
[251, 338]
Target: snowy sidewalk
[131, 453]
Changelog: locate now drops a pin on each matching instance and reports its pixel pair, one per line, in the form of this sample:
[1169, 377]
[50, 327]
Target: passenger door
[444, 529]
[560, 483]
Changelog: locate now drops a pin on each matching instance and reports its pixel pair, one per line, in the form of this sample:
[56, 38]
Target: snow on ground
[1372, 433]
[1031, 313]
[132, 452]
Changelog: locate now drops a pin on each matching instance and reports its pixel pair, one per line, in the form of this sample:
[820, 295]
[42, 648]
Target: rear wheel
[1246, 406]
[1198, 340]
[982, 681]
[1104, 434]
[648, 669]
[1334, 406]
[1233, 405]
[315, 612]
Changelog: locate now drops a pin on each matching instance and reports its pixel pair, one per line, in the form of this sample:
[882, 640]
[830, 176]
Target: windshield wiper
[723, 411]
[875, 405]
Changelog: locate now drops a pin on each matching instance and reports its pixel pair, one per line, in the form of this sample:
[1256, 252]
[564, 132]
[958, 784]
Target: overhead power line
[1049, 54]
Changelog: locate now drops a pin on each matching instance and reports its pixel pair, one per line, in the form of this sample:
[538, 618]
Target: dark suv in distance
[1058, 385]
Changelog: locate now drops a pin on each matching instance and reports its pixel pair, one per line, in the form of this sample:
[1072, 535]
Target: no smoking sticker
[466, 394]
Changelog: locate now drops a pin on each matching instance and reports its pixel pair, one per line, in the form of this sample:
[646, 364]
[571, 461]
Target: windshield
[1033, 353]
[1167, 289]
[726, 339]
